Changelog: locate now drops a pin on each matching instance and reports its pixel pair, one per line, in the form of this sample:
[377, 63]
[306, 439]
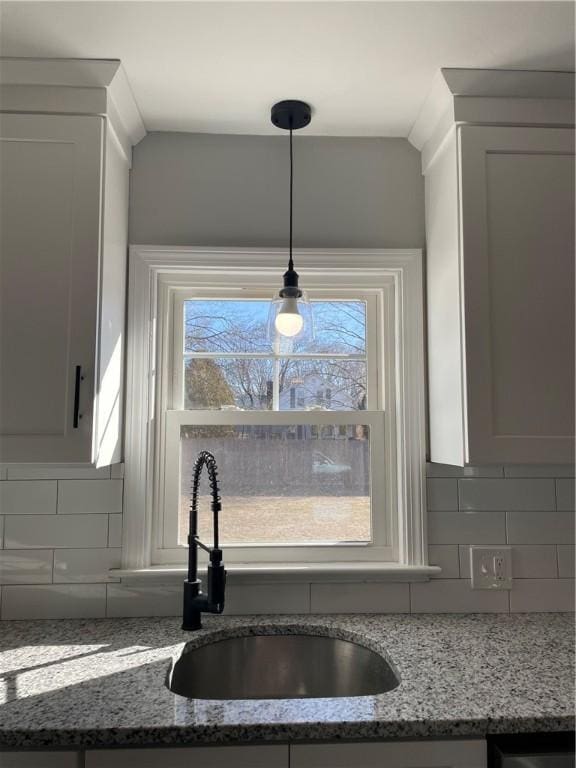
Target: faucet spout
[195, 602]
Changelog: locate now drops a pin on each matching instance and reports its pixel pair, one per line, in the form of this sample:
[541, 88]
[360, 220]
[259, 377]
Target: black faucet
[195, 602]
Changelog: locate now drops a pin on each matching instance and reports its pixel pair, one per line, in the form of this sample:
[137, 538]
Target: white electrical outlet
[491, 567]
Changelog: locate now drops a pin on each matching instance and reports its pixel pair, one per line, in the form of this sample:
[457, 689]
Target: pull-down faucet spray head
[195, 602]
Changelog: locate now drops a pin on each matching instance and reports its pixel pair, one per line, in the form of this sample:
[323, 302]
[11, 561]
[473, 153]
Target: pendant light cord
[290, 261]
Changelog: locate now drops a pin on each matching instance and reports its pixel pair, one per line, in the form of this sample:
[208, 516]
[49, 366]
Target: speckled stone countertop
[80, 684]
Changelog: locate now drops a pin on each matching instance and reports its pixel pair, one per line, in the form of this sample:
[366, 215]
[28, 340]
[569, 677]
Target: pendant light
[290, 317]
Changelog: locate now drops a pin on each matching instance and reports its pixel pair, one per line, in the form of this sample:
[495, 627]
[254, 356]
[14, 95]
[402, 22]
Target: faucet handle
[216, 578]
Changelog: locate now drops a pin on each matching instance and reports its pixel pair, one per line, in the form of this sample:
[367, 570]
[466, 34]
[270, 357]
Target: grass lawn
[266, 519]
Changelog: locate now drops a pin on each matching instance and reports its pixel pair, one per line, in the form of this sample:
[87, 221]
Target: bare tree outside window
[233, 334]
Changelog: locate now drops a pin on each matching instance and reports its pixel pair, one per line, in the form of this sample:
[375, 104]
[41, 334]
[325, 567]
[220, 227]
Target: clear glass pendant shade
[289, 321]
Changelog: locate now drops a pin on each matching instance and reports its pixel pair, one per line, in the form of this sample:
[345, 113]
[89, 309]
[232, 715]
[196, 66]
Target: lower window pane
[298, 484]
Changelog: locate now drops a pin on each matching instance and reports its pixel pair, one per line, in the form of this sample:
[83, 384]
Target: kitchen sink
[280, 666]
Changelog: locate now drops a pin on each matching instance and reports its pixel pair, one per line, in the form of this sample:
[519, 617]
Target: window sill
[246, 573]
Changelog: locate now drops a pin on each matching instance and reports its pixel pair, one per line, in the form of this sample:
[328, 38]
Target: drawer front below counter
[422, 754]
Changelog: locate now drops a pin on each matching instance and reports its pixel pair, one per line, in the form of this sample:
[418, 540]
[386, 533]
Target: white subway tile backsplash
[447, 470]
[267, 598]
[441, 494]
[565, 495]
[359, 598]
[566, 561]
[528, 562]
[54, 601]
[126, 600]
[87, 566]
[467, 528]
[445, 556]
[540, 527]
[56, 565]
[455, 596]
[539, 470]
[514, 495]
[114, 530]
[26, 566]
[89, 497]
[542, 595]
[28, 497]
[56, 472]
[55, 531]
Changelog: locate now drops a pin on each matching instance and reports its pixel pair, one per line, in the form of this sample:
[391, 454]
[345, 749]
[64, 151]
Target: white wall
[200, 189]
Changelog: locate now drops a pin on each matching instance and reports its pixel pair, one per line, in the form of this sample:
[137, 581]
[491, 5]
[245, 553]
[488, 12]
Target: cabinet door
[50, 202]
[196, 757]
[517, 208]
[417, 754]
[33, 759]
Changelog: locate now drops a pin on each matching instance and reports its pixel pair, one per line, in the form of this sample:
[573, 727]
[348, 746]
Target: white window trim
[396, 270]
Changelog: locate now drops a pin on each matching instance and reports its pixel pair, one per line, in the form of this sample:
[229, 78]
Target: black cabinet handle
[79, 378]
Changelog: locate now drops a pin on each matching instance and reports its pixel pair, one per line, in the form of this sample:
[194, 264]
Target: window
[320, 444]
[301, 481]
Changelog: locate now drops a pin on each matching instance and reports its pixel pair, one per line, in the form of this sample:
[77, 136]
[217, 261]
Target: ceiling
[217, 67]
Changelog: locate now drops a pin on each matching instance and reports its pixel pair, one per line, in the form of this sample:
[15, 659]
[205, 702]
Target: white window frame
[158, 274]
[171, 416]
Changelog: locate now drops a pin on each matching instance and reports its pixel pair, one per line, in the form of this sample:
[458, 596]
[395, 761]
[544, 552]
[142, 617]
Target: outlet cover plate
[491, 567]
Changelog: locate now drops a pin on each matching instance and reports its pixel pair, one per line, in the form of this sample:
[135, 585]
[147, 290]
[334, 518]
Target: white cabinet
[500, 275]
[416, 754]
[49, 252]
[63, 250]
[413, 754]
[33, 759]
[517, 215]
[195, 757]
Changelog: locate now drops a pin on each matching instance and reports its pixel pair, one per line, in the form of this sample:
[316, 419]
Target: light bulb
[289, 321]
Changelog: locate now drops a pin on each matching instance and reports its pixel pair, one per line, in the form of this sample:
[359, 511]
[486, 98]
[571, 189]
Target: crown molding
[491, 97]
[85, 86]
[87, 73]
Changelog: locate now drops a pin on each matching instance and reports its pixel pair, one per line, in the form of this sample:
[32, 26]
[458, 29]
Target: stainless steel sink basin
[287, 666]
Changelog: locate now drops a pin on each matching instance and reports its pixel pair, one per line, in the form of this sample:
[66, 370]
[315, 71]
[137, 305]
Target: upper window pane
[225, 325]
[339, 327]
[217, 383]
[334, 385]
[240, 325]
[280, 385]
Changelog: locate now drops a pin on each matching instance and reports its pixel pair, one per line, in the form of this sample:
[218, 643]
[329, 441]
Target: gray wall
[226, 190]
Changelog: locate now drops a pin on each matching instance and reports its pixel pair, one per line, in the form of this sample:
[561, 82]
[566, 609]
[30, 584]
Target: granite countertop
[94, 683]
